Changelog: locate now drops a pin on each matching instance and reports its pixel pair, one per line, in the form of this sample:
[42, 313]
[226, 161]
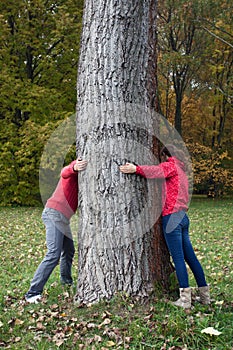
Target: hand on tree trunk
[80, 165]
[128, 168]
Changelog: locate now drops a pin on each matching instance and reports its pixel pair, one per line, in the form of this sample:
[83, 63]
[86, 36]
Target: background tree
[195, 60]
[38, 61]
[221, 66]
[180, 44]
[121, 247]
[195, 72]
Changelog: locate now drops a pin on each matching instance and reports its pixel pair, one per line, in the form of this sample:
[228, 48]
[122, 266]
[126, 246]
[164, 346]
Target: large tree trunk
[120, 244]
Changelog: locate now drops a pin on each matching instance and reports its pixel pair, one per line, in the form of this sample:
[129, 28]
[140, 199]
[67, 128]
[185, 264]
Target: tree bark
[178, 112]
[120, 244]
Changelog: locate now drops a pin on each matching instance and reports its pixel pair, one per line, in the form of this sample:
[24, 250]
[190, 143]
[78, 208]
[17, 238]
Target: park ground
[122, 323]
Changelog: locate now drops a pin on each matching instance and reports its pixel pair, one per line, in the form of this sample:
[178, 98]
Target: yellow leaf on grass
[17, 321]
[211, 331]
[110, 343]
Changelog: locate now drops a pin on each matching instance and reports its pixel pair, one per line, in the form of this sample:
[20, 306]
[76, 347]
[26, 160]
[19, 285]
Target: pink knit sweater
[175, 191]
[65, 196]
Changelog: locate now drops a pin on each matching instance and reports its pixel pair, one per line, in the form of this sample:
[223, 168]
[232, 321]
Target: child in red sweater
[56, 217]
[175, 220]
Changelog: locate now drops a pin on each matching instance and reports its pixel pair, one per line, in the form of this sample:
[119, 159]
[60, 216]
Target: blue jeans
[60, 246]
[176, 233]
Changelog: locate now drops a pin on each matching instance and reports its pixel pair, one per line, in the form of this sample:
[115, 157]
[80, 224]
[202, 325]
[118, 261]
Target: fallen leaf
[58, 339]
[59, 342]
[110, 343]
[40, 326]
[41, 318]
[148, 317]
[91, 325]
[127, 339]
[17, 339]
[211, 331]
[97, 338]
[17, 321]
[105, 322]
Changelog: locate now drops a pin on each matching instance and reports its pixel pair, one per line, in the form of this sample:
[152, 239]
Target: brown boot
[204, 293]
[185, 298]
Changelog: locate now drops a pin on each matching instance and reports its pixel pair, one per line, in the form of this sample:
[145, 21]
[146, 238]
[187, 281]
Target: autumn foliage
[39, 51]
[211, 176]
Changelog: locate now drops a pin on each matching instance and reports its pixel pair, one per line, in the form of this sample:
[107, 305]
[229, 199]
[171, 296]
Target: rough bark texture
[120, 245]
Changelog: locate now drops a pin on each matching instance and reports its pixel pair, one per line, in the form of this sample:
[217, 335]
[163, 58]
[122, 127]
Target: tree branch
[217, 37]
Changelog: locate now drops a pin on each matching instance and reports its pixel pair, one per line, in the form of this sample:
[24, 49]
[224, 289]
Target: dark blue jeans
[176, 233]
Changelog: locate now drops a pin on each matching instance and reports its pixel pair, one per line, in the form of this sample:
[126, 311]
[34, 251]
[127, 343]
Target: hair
[172, 151]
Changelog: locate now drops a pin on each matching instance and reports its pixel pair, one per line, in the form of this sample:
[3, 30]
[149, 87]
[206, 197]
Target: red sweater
[65, 196]
[175, 192]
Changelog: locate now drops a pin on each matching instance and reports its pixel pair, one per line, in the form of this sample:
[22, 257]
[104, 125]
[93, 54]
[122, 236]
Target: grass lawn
[57, 323]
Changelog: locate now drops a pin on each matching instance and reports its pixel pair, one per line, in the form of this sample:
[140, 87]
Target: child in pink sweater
[56, 217]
